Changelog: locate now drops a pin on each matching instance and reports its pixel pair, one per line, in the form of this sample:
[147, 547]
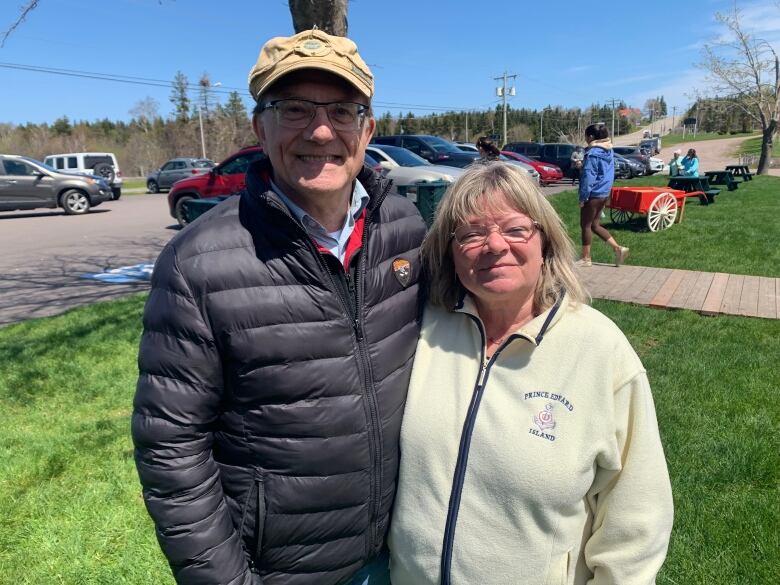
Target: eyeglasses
[298, 114]
[472, 235]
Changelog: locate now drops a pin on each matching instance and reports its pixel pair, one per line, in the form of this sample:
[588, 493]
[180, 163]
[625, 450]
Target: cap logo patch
[402, 270]
[313, 48]
[360, 73]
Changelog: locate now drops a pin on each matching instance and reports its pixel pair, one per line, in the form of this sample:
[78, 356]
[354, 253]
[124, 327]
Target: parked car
[531, 150]
[175, 170]
[548, 172]
[526, 168]
[622, 170]
[102, 164]
[226, 178]
[406, 168]
[374, 164]
[636, 153]
[432, 148]
[636, 168]
[26, 183]
[466, 147]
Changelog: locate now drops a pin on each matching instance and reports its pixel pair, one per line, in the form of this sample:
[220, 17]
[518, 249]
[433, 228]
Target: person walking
[278, 341]
[575, 163]
[598, 173]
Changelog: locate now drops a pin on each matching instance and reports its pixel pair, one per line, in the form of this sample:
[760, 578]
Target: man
[576, 160]
[277, 346]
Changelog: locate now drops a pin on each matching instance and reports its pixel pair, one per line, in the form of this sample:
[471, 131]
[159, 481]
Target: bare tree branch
[25, 10]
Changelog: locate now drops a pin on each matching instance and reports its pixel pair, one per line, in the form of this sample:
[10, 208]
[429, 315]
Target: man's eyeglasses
[472, 235]
[298, 114]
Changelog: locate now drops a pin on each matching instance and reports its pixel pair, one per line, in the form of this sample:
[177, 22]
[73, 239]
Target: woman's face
[500, 270]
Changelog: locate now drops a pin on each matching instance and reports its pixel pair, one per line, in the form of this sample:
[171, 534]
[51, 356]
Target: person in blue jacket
[598, 173]
[690, 164]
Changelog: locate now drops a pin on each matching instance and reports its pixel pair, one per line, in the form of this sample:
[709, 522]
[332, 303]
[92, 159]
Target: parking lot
[45, 252]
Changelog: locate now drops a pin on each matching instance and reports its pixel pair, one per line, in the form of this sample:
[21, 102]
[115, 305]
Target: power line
[151, 82]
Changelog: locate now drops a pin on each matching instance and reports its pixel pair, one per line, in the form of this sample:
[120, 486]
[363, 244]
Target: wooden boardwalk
[708, 293]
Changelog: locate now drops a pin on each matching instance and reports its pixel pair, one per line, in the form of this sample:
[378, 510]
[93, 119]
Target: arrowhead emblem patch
[402, 270]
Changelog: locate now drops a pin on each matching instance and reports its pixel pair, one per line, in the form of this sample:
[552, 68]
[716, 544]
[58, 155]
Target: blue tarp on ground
[124, 275]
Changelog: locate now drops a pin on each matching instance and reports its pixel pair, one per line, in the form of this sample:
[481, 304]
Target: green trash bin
[426, 196]
[194, 208]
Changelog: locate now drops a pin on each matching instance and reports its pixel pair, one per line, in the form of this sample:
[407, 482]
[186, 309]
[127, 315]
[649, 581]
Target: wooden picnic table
[695, 186]
[722, 178]
[740, 171]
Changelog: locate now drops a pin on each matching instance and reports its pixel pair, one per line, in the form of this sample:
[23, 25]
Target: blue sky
[426, 55]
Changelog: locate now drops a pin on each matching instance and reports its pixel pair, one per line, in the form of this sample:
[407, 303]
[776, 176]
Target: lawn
[753, 147]
[738, 234]
[134, 184]
[672, 139]
[70, 500]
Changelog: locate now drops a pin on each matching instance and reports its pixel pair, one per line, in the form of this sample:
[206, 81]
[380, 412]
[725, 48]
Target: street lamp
[541, 125]
[200, 122]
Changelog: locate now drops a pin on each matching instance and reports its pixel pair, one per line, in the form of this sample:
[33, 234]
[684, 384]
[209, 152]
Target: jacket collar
[533, 331]
[258, 183]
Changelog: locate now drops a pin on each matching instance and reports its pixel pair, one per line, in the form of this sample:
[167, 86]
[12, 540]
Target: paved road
[44, 252]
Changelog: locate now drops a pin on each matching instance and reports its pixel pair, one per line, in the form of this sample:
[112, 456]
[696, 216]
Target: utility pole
[502, 93]
[467, 125]
[613, 101]
[674, 111]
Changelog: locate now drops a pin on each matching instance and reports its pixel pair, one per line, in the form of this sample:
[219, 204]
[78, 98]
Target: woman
[530, 450]
[675, 165]
[488, 151]
[690, 164]
[598, 172]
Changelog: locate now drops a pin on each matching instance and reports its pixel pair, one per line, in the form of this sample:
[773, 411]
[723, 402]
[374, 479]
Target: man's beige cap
[311, 49]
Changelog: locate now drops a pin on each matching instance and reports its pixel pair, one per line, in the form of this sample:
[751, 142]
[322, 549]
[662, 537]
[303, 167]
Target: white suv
[102, 164]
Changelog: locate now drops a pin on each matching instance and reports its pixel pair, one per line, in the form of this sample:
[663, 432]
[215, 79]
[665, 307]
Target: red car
[226, 178]
[548, 172]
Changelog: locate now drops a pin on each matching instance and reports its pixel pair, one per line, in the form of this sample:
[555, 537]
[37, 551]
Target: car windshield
[203, 163]
[40, 164]
[404, 157]
[441, 144]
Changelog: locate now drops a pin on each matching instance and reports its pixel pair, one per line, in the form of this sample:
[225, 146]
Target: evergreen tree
[179, 97]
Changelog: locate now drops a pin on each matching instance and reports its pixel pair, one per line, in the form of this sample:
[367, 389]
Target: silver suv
[26, 183]
[102, 164]
[175, 170]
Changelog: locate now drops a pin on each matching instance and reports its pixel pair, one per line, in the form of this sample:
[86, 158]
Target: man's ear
[370, 127]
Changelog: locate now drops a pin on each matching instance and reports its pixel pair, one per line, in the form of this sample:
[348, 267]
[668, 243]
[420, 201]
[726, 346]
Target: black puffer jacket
[267, 412]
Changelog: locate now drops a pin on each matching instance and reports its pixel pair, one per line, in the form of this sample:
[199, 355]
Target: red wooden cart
[662, 205]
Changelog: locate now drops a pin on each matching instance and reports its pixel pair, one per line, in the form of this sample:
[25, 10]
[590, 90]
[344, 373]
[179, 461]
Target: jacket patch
[545, 419]
[402, 270]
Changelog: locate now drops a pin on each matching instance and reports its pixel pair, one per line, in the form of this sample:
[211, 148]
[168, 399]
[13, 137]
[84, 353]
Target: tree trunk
[327, 15]
[766, 148]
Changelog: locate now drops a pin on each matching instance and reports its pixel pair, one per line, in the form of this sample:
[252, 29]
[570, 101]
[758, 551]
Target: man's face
[318, 160]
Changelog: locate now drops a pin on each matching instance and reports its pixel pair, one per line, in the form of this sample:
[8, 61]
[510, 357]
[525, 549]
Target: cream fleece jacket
[564, 479]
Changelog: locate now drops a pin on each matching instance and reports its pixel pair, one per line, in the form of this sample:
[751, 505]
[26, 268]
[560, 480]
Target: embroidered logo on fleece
[545, 418]
[402, 270]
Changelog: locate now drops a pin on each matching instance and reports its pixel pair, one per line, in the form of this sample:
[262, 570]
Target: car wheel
[75, 202]
[117, 192]
[179, 210]
[106, 171]
[152, 186]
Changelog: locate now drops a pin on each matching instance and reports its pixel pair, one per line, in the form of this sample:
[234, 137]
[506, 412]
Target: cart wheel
[662, 212]
[620, 215]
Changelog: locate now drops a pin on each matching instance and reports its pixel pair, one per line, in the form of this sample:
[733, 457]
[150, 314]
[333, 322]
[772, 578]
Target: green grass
[738, 234]
[715, 386]
[134, 184]
[752, 146]
[70, 505]
[672, 139]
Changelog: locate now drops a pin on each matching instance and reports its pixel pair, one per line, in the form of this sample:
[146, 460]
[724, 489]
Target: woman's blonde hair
[492, 186]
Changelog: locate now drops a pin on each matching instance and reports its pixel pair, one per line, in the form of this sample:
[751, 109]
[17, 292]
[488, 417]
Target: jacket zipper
[353, 310]
[463, 456]
[260, 529]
